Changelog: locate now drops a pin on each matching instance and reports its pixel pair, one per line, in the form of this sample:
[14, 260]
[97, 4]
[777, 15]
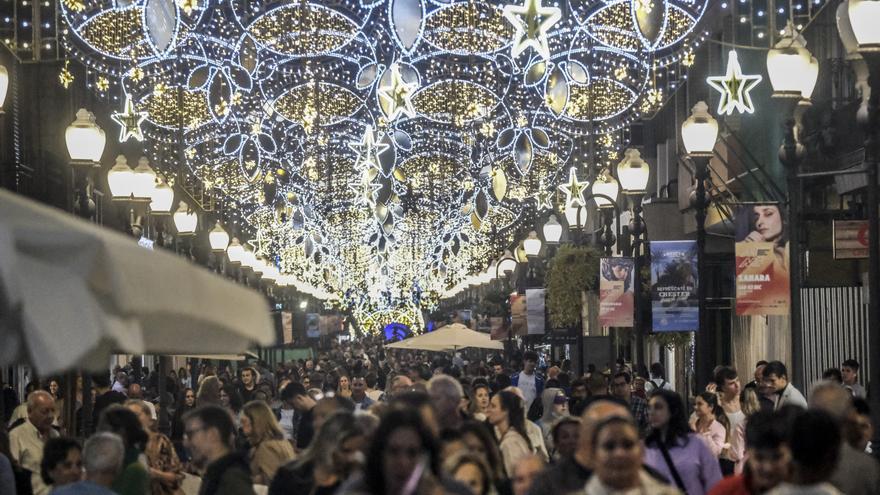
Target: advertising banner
[287, 327]
[312, 331]
[330, 324]
[616, 279]
[674, 304]
[762, 277]
[850, 239]
[518, 318]
[497, 329]
[535, 311]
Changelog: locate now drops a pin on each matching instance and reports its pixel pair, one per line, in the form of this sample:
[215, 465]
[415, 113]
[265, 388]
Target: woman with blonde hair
[164, 465]
[269, 449]
[209, 391]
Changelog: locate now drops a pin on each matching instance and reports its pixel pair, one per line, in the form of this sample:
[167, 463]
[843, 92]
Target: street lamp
[552, 231]
[605, 192]
[576, 217]
[144, 179]
[699, 133]
[864, 17]
[85, 145]
[121, 180]
[235, 251]
[185, 220]
[634, 173]
[161, 198]
[793, 70]
[507, 263]
[218, 238]
[532, 244]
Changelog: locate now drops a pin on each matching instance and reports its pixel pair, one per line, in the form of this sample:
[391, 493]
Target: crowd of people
[358, 420]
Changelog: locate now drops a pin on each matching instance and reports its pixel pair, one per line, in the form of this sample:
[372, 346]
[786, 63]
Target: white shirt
[286, 423]
[26, 445]
[526, 383]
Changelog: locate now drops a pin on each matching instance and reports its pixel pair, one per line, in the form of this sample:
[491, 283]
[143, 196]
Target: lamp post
[699, 133]
[634, 173]
[864, 18]
[793, 72]
[605, 192]
[85, 145]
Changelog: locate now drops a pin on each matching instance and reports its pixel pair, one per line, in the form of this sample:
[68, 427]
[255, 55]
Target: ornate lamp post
[605, 191]
[634, 173]
[793, 72]
[699, 133]
[864, 18]
[85, 145]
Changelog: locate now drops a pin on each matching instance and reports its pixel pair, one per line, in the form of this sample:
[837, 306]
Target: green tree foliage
[574, 269]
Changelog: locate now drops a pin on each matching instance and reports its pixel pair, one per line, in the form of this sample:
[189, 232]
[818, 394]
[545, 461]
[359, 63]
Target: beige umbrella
[449, 338]
[72, 293]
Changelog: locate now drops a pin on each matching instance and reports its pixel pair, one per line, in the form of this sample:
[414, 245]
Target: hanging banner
[762, 277]
[287, 327]
[497, 329]
[312, 331]
[616, 279]
[518, 321]
[674, 303]
[535, 311]
[850, 239]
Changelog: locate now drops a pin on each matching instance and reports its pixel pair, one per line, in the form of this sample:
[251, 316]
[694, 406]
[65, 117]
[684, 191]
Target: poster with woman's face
[616, 292]
[762, 276]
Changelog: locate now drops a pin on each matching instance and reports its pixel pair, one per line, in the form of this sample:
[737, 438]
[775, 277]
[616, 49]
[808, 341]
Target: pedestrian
[62, 462]
[565, 432]
[249, 380]
[480, 403]
[304, 405]
[134, 479]
[621, 388]
[479, 439]
[446, 396]
[658, 379]
[810, 435]
[507, 416]
[776, 379]
[165, 470]
[343, 387]
[525, 471]
[269, 450]
[710, 423]
[849, 371]
[104, 395]
[730, 395]
[8, 480]
[185, 404]
[470, 470]
[334, 455]
[209, 391]
[529, 380]
[674, 451]
[362, 401]
[209, 436]
[231, 400]
[555, 407]
[103, 455]
[27, 440]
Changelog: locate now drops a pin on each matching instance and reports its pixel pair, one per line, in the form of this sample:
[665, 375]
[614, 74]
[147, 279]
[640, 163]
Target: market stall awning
[449, 338]
[72, 293]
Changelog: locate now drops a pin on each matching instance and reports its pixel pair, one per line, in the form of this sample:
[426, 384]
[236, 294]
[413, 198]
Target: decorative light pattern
[735, 88]
[129, 121]
[378, 152]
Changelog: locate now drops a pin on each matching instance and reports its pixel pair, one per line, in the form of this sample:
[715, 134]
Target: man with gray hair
[446, 395]
[102, 459]
[27, 440]
[856, 473]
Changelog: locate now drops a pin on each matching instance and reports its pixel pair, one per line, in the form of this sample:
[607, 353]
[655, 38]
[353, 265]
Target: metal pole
[637, 228]
[706, 341]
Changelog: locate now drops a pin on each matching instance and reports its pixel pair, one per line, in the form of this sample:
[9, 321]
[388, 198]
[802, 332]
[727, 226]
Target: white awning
[72, 293]
[450, 337]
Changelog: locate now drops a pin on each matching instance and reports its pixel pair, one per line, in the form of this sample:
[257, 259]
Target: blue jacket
[539, 384]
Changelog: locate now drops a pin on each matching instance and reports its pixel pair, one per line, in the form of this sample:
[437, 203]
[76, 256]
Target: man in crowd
[768, 457]
[849, 372]
[136, 392]
[26, 441]
[373, 392]
[528, 380]
[524, 473]
[621, 388]
[102, 459]
[397, 385]
[578, 395]
[209, 435]
[295, 395]
[776, 378]
[104, 396]
[446, 394]
[359, 396]
[248, 388]
[856, 473]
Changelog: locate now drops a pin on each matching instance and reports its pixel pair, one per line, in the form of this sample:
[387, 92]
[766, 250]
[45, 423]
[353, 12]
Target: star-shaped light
[259, 244]
[543, 199]
[130, 121]
[531, 21]
[365, 191]
[397, 96]
[368, 151]
[574, 190]
[734, 88]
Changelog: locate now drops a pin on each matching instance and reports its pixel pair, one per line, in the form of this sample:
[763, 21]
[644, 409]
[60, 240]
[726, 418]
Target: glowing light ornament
[368, 150]
[735, 88]
[259, 244]
[129, 121]
[397, 96]
[543, 199]
[531, 21]
[574, 190]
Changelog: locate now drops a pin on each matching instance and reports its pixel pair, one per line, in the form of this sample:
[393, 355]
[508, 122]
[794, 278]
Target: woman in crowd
[62, 462]
[480, 400]
[185, 404]
[479, 440]
[134, 478]
[566, 433]
[53, 388]
[470, 470]
[209, 391]
[555, 407]
[269, 449]
[710, 423]
[334, 454]
[230, 399]
[672, 449]
[164, 465]
[343, 388]
[616, 452]
[507, 416]
[184, 377]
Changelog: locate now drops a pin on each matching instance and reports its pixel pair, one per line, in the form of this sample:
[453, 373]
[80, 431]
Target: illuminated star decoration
[574, 190]
[365, 191]
[398, 96]
[544, 199]
[368, 151]
[130, 121]
[259, 244]
[531, 22]
[734, 88]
